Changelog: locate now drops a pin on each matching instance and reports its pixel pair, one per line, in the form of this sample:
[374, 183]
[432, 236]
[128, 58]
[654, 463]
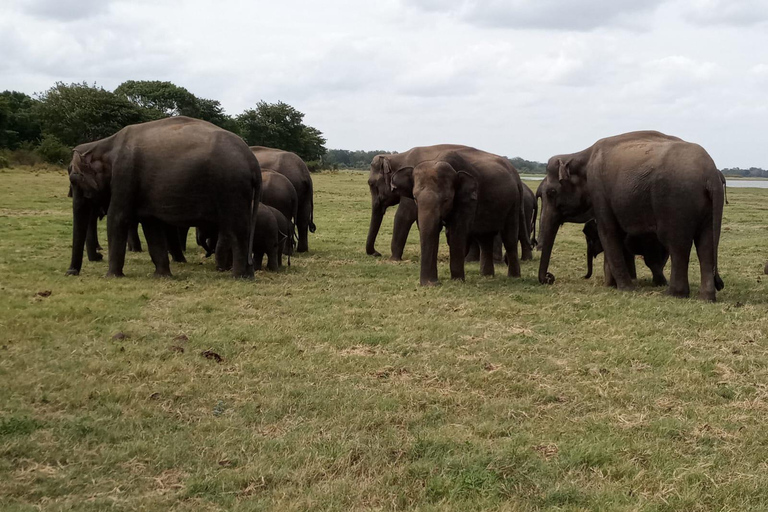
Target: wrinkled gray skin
[383, 198]
[635, 184]
[471, 193]
[293, 167]
[279, 193]
[648, 246]
[272, 235]
[176, 171]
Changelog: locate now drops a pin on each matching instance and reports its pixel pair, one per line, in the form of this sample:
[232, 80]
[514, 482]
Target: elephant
[95, 212]
[648, 246]
[271, 236]
[293, 167]
[634, 184]
[382, 197]
[470, 192]
[178, 172]
[530, 207]
[279, 193]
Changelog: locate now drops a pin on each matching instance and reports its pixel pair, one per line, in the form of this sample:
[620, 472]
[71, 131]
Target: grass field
[343, 385]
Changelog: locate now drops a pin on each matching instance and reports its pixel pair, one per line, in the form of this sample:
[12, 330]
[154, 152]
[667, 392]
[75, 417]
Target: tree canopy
[279, 125]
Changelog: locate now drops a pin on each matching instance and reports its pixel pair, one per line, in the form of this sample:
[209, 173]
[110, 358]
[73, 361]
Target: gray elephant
[470, 192]
[383, 197]
[293, 167]
[654, 254]
[639, 183]
[272, 234]
[279, 193]
[176, 171]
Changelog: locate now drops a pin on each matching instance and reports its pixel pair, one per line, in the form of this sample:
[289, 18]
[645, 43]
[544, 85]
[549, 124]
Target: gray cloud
[63, 10]
[725, 12]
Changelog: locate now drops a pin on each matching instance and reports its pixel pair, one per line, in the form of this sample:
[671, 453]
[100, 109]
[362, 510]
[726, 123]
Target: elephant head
[444, 197]
[382, 197]
[89, 174]
[564, 198]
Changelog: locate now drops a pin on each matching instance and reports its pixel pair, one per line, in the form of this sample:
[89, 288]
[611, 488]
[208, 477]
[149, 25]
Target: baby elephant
[273, 236]
[647, 246]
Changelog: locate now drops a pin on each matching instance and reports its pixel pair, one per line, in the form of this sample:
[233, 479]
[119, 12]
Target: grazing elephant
[471, 193]
[176, 171]
[292, 167]
[278, 192]
[95, 211]
[530, 208]
[636, 184]
[648, 246]
[272, 236]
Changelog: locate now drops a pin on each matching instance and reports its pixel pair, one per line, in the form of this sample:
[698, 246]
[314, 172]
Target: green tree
[18, 120]
[160, 99]
[77, 113]
[279, 125]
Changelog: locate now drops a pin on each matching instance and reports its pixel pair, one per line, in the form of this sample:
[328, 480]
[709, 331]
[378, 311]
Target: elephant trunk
[81, 215]
[377, 215]
[550, 223]
[429, 234]
[590, 258]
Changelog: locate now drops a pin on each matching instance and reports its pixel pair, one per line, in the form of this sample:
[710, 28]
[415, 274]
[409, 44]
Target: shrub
[53, 151]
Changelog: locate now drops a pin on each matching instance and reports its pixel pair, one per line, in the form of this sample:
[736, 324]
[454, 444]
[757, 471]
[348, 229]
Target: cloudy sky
[526, 78]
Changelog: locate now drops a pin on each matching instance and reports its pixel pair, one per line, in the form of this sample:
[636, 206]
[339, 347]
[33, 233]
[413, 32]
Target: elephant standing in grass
[383, 197]
[293, 167]
[637, 184]
[279, 193]
[648, 246]
[470, 192]
[172, 172]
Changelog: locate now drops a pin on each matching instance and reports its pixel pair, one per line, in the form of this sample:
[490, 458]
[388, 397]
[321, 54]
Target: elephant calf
[648, 246]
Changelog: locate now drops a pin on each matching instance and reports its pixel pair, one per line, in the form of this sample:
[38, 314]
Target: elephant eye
[551, 192]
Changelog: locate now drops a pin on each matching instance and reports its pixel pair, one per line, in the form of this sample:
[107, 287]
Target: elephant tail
[255, 200]
[717, 194]
[534, 242]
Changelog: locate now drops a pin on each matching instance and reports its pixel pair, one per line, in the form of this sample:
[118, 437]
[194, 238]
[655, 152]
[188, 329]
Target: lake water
[731, 183]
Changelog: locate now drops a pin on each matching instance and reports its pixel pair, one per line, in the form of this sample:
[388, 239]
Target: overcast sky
[526, 78]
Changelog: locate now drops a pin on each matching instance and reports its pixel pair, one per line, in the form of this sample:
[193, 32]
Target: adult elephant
[171, 172]
[471, 193]
[654, 254]
[293, 167]
[636, 184]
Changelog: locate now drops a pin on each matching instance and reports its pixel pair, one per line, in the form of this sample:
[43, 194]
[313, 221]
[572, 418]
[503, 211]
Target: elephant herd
[176, 173]
[640, 193]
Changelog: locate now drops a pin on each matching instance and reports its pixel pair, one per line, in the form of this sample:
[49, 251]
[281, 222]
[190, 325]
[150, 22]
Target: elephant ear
[565, 170]
[401, 182]
[466, 190]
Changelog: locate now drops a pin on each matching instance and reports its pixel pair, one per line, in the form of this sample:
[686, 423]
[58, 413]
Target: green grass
[346, 386]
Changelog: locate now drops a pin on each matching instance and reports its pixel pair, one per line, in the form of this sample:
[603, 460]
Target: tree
[77, 113]
[279, 125]
[18, 121]
[160, 99]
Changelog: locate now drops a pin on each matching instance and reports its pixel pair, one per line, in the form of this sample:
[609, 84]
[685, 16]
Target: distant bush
[53, 151]
[25, 155]
[4, 162]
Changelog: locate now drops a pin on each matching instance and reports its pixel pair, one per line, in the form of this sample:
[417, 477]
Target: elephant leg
[172, 235]
[612, 239]
[486, 254]
[509, 236]
[91, 239]
[272, 265]
[526, 251]
[631, 265]
[183, 234]
[258, 260]
[473, 250]
[498, 249]
[302, 225]
[223, 253]
[240, 252]
[118, 225]
[656, 258]
[680, 254]
[705, 249]
[608, 279]
[156, 235]
[406, 215]
[134, 242]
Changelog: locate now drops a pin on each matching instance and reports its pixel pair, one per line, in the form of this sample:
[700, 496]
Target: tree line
[50, 124]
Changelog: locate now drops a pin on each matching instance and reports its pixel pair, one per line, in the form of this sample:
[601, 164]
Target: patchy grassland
[344, 385]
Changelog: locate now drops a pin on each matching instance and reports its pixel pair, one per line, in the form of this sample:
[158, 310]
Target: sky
[528, 78]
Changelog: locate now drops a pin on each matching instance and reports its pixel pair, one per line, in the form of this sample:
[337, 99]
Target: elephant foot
[708, 296]
[73, 272]
[425, 282]
[661, 281]
[96, 257]
[395, 258]
[111, 274]
[680, 294]
[162, 273]
[374, 253]
[180, 259]
[547, 279]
